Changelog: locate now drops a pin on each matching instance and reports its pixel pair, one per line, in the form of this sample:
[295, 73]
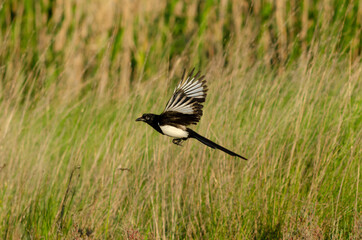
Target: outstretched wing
[185, 106]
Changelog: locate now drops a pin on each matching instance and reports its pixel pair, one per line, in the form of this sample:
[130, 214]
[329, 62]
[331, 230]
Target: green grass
[284, 91]
[301, 131]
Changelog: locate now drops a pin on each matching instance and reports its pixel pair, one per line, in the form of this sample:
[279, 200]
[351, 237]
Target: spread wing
[185, 105]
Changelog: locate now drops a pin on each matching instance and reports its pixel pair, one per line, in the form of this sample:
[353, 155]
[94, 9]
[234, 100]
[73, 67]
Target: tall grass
[108, 46]
[301, 131]
[76, 74]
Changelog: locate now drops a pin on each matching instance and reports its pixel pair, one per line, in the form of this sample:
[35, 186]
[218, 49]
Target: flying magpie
[183, 109]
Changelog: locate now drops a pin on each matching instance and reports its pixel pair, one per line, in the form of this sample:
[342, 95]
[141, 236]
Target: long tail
[207, 142]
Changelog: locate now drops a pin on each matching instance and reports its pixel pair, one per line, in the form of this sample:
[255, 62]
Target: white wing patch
[187, 94]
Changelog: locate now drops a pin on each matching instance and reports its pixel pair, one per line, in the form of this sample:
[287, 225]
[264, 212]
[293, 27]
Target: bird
[183, 109]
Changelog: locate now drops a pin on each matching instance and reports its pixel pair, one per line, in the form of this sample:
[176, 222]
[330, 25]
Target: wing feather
[185, 105]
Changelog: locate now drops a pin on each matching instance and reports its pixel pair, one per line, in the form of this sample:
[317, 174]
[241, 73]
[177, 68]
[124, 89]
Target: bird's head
[147, 118]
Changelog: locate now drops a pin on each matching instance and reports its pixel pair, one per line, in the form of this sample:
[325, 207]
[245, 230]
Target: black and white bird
[183, 109]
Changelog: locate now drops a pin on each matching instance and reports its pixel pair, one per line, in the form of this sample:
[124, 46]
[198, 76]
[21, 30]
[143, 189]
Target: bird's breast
[174, 132]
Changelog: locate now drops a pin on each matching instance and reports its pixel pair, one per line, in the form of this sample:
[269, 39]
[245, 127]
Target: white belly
[174, 132]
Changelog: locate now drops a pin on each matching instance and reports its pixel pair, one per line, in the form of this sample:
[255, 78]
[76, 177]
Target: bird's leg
[178, 141]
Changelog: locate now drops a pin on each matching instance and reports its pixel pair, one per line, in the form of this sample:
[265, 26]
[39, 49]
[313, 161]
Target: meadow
[285, 87]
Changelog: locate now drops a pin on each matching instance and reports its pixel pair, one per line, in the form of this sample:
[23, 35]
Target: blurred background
[108, 46]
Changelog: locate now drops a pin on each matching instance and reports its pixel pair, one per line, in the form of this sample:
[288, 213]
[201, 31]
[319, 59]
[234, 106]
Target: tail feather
[207, 142]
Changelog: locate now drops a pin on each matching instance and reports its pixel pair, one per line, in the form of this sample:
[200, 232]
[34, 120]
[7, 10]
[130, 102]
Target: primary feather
[185, 105]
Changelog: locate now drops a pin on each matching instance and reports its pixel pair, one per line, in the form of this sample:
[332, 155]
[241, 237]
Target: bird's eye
[147, 118]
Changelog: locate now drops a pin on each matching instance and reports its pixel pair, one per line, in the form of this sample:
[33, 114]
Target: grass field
[74, 164]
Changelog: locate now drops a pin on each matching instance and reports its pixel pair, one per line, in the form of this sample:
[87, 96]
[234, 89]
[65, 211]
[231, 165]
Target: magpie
[183, 109]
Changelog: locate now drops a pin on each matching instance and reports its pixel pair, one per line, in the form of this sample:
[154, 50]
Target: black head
[147, 117]
[152, 120]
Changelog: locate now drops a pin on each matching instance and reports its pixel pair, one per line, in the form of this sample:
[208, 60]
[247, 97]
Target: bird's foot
[177, 141]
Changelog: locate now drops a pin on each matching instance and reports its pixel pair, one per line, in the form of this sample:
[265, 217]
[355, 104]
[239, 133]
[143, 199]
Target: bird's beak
[140, 119]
